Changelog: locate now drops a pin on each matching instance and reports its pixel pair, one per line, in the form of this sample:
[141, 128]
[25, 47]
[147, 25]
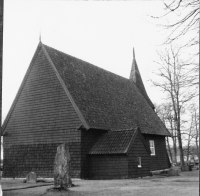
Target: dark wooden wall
[160, 160]
[42, 119]
[88, 139]
[138, 150]
[39, 158]
[118, 166]
[108, 166]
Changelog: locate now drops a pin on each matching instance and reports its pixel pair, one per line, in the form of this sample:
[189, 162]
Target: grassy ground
[185, 184]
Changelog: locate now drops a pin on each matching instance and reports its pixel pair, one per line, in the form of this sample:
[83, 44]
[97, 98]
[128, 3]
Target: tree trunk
[197, 145]
[176, 84]
[175, 150]
[169, 150]
[174, 141]
[197, 132]
[188, 147]
[180, 143]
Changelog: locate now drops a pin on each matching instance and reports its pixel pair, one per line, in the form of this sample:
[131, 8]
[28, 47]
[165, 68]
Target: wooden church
[109, 121]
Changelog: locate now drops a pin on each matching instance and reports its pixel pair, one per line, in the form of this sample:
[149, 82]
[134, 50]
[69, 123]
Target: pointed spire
[40, 37]
[133, 53]
[134, 70]
[137, 79]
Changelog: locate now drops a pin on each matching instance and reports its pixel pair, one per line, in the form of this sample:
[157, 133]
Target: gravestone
[185, 168]
[173, 172]
[62, 177]
[31, 177]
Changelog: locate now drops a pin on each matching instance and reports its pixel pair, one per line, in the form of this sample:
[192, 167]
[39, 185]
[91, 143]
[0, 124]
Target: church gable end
[41, 118]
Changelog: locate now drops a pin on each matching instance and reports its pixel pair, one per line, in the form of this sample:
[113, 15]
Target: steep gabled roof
[107, 101]
[102, 100]
[137, 79]
[117, 142]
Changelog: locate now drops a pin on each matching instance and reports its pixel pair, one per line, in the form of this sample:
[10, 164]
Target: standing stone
[62, 177]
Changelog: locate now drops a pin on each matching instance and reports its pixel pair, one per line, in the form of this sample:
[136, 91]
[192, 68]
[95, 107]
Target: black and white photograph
[99, 98]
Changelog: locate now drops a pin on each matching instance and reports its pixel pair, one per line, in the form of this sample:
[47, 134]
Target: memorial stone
[31, 177]
[62, 177]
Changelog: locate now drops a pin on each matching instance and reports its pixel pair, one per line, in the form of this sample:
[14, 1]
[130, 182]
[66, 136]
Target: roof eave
[137, 132]
[85, 124]
[3, 130]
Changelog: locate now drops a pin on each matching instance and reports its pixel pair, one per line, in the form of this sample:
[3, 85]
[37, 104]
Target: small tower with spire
[137, 79]
[134, 69]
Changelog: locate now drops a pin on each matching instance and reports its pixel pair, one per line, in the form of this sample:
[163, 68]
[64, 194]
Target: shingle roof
[107, 101]
[117, 142]
[113, 142]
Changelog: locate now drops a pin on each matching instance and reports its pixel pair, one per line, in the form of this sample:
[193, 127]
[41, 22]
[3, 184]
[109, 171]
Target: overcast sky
[102, 33]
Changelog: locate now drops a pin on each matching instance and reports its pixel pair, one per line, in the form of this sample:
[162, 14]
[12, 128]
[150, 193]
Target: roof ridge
[76, 108]
[121, 130]
[145, 95]
[107, 85]
[106, 100]
[88, 63]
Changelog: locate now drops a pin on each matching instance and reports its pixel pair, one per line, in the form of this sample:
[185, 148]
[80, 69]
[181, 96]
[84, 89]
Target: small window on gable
[139, 161]
[152, 147]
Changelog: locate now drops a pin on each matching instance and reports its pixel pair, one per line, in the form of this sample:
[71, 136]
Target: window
[152, 147]
[139, 161]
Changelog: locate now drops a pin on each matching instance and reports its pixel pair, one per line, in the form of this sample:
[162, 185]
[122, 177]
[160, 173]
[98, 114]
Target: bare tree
[182, 18]
[175, 80]
[180, 21]
[164, 111]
